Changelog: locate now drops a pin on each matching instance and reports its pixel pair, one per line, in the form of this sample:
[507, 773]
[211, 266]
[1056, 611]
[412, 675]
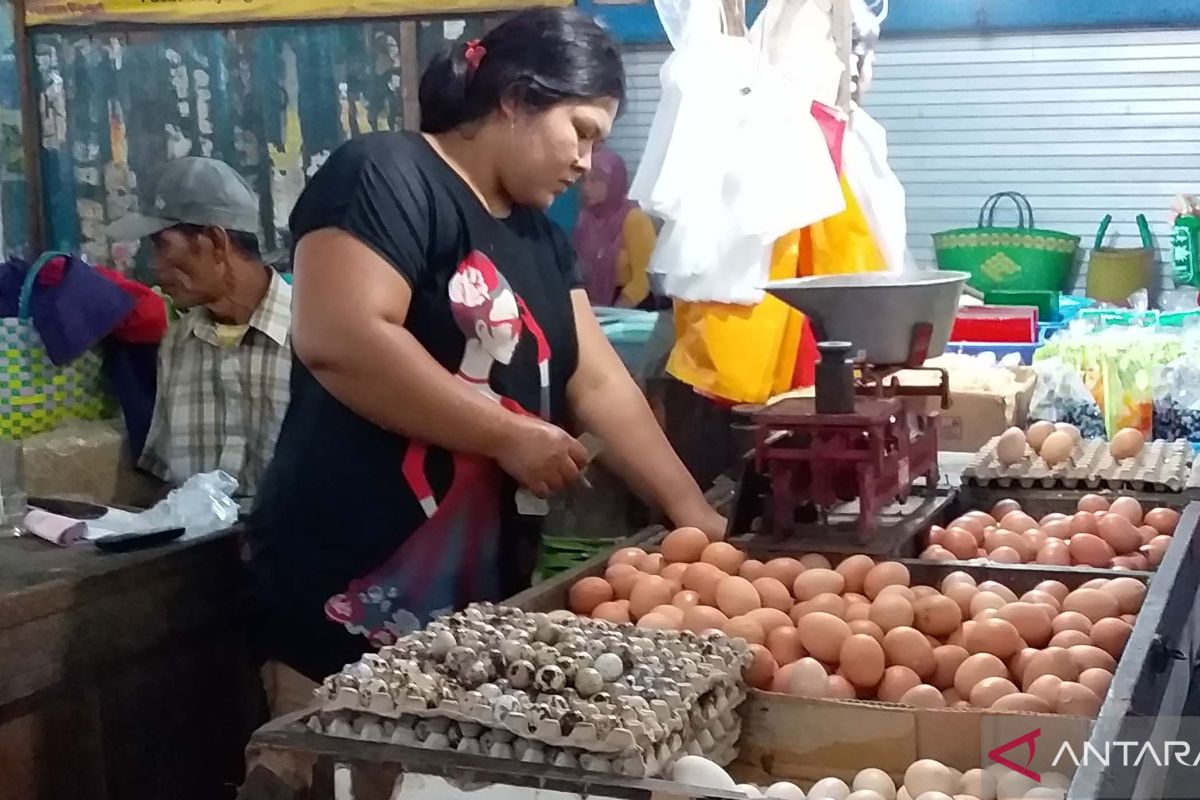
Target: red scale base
[821, 461]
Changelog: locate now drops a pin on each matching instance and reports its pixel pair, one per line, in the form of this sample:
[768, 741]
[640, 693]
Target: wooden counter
[124, 675]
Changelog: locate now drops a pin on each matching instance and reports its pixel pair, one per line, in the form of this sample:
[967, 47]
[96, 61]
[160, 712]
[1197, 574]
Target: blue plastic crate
[999, 349]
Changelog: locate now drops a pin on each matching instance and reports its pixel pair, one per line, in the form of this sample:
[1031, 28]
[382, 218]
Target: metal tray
[878, 312]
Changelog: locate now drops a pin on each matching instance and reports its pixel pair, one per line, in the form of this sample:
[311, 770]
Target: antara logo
[997, 754]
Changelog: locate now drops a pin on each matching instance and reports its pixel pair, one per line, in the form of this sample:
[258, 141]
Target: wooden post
[31, 129]
[410, 75]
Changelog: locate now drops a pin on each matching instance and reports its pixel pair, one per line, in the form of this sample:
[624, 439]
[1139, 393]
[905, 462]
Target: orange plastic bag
[747, 354]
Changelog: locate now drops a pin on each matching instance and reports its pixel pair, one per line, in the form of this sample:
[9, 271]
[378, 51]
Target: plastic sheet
[1061, 396]
[203, 504]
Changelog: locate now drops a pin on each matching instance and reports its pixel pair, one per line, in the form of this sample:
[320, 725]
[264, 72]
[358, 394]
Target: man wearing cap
[224, 367]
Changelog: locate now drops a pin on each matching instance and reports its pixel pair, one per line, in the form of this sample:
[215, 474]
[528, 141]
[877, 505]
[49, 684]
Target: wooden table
[124, 675]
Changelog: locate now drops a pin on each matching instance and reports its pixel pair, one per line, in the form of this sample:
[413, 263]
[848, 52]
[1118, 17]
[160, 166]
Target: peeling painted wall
[14, 212]
[272, 100]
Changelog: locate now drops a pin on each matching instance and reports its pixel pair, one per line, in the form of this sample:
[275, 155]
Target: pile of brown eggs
[1117, 535]
[861, 630]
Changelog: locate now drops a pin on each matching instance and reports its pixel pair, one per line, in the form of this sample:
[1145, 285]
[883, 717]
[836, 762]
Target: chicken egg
[1069, 639]
[773, 594]
[612, 611]
[995, 636]
[588, 593]
[1094, 604]
[1129, 593]
[1090, 550]
[648, 592]
[962, 594]
[685, 599]
[1129, 508]
[822, 635]
[1010, 448]
[1088, 656]
[891, 611]
[1070, 430]
[785, 570]
[684, 545]
[737, 596]
[761, 670]
[936, 615]
[1054, 661]
[724, 557]
[1163, 520]
[868, 628]
[839, 688]
[751, 569]
[1126, 443]
[704, 618]
[770, 619]
[628, 555]
[745, 628]
[703, 579]
[928, 775]
[1017, 522]
[862, 660]
[908, 647]
[807, 678]
[989, 690]
[895, 682]
[1057, 448]
[948, 658]
[621, 577]
[1098, 680]
[816, 561]
[813, 582]
[785, 646]
[1111, 636]
[1004, 507]
[875, 780]
[923, 696]
[974, 669]
[1037, 433]
[1077, 700]
[854, 571]
[1044, 687]
[888, 573]
[657, 622]
[673, 613]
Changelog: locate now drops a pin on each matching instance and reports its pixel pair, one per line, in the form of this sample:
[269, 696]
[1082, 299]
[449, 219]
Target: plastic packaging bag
[203, 504]
[1061, 396]
[1177, 399]
[725, 205]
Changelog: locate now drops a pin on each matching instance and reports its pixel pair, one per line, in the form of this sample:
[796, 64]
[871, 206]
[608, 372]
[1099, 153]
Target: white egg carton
[1161, 467]
[716, 742]
[678, 683]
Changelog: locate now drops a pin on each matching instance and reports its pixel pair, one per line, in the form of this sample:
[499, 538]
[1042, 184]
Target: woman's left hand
[707, 519]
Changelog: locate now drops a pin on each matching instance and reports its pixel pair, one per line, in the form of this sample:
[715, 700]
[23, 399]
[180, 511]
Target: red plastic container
[996, 324]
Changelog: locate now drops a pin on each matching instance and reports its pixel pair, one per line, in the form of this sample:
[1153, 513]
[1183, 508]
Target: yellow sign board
[175, 12]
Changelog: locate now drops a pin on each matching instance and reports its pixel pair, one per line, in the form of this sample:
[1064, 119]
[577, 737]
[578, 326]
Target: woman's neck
[472, 159]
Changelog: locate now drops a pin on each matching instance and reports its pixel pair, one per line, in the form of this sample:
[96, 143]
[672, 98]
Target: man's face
[188, 268]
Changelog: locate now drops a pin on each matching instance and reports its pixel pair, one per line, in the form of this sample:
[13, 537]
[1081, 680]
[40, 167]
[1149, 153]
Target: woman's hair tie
[474, 54]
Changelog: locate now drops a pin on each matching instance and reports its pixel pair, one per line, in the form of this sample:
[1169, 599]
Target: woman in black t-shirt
[443, 346]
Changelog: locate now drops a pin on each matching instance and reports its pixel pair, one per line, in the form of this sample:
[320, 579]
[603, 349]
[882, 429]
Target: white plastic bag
[734, 158]
[879, 192]
[203, 504]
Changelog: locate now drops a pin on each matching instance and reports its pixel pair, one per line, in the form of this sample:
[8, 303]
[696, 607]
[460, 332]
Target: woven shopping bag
[36, 395]
[1024, 257]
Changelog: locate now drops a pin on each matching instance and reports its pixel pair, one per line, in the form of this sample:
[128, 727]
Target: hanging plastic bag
[741, 354]
[1061, 396]
[878, 190]
[840, 244]
[725, 205]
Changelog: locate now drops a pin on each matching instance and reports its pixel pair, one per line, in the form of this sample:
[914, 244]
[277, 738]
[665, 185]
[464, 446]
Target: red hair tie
[474, 54]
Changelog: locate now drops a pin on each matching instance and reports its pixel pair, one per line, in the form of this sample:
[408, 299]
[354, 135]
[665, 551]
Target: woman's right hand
[541, 457]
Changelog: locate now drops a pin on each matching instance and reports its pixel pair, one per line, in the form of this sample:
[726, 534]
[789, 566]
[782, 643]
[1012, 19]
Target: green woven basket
[1024, 257]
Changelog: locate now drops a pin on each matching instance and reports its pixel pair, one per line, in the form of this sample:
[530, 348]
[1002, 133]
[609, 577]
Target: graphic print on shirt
[450, 559]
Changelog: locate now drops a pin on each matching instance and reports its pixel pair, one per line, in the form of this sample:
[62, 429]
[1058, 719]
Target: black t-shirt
[361, 535]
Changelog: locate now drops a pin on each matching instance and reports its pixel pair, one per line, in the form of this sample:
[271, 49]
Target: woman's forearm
[607, 403]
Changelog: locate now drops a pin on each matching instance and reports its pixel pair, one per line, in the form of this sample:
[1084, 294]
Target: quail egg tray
[1162, 466]
[716, 742]
[556, 679]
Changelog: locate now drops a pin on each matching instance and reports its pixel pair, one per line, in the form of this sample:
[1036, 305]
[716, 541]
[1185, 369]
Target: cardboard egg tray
[642, 715]
[716, 741]
[1167, 467]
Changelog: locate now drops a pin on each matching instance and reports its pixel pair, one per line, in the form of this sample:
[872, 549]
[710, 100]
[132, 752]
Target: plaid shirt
[221, 407]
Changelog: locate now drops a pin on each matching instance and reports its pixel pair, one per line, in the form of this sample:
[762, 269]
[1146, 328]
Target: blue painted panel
[945, 16]
[272, 100]
[638, 23]
[15, 229]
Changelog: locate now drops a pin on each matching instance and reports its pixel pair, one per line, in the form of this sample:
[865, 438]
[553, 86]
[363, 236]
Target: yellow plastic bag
[747, 354]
